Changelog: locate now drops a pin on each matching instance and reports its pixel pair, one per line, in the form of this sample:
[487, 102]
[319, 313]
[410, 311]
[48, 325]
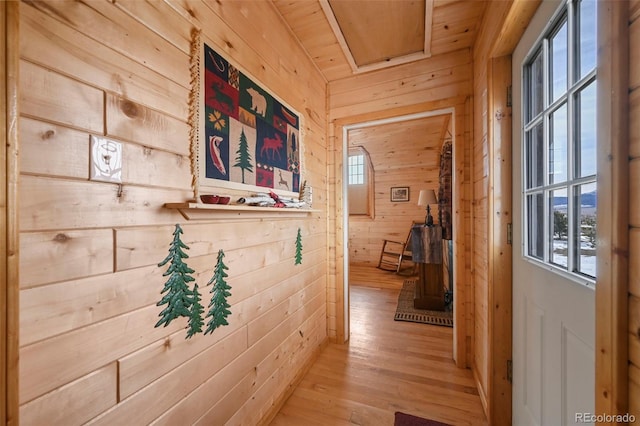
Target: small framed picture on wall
[399, 193]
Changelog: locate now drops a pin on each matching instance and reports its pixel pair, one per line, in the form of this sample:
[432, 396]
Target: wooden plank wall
[494, 18]
[402, 154]
[89, 281]
[634, 213]
[9, 246]
[441, 82]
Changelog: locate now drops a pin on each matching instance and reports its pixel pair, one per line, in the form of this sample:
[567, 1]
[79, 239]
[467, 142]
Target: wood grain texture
[500, 255]
[52, 43]
[55, 309]
[355, 383]
[387, 89]
[64, 255]
[634, 192]
[454, 27]
[46, 94]
[185, 378]
[52, 309]
[463, 310]
[634, 267]
[165, 169]
[612, 261]
[274, 366]
[9, 221]
[634, 126]
[4, 213]
[52, 150]
[515, 23]
[634, 10]
[228, 394]
[634, 218]
[141, 246]
[120, 32]
[308, 20]
[480, 232]
[130, 121]
[45, 365]
[171, 387]
[154, 15]
[151, 362]
[62, 204]
[634, 67]
[75, 402]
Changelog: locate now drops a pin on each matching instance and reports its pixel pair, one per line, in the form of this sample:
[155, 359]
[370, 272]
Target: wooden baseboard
[279, 403]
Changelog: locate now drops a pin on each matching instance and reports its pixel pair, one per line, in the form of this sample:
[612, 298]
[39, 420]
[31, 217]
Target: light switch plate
[106, 160]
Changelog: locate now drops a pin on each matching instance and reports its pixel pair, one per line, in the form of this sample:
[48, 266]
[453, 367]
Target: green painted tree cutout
[195, 315]
[299, 248]
[243, 160]
[218, 307]
[177, 295]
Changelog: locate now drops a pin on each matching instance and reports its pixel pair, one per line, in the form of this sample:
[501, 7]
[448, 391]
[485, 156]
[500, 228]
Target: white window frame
[356, 171]
[575, 84]
[363, 168]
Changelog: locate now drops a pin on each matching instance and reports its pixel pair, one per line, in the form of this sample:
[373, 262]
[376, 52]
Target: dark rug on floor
[406, 312]
[403, 419]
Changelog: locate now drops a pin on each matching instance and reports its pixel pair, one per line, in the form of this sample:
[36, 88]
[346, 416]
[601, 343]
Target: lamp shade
[426, 197]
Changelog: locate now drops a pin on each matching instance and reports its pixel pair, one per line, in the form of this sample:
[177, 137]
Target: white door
[554, 184]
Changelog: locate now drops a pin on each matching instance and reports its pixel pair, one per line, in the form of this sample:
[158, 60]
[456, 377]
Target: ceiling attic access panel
[375, 35]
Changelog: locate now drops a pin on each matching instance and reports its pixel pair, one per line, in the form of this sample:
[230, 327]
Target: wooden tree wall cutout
[177, 295]
[218, 307]
[299, 248]
[195, 315]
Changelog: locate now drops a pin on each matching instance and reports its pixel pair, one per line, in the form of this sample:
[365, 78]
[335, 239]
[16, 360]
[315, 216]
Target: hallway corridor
[387, 366]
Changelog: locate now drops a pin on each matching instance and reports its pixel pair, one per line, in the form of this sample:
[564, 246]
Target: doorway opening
[385, 140]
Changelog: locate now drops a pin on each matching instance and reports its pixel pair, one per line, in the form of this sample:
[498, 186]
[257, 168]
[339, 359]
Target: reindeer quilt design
[251, 137]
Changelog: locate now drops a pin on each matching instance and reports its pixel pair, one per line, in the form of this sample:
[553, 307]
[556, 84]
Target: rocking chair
[394, 253]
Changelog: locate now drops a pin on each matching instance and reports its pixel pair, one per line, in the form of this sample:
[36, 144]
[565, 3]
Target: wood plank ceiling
[346, 37]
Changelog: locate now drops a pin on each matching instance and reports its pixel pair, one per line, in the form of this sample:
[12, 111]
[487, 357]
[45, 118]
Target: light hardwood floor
[386, 366]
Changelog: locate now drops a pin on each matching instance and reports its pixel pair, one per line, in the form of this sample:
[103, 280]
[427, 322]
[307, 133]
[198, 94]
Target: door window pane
[586, 213]
[587, 17]
[585, 149]
[558, 145]
[535, 87]
[535, 154]
[560, 142]
[535, 225]
[558, 74]
[558, 204]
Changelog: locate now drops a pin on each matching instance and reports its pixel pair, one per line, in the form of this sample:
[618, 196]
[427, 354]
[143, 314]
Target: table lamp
[426, 198]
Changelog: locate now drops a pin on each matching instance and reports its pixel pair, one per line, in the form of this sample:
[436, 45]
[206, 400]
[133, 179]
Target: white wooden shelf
[201, 211]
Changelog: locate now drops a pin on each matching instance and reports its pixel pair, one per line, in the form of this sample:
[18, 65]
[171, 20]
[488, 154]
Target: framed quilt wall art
[246, 138]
